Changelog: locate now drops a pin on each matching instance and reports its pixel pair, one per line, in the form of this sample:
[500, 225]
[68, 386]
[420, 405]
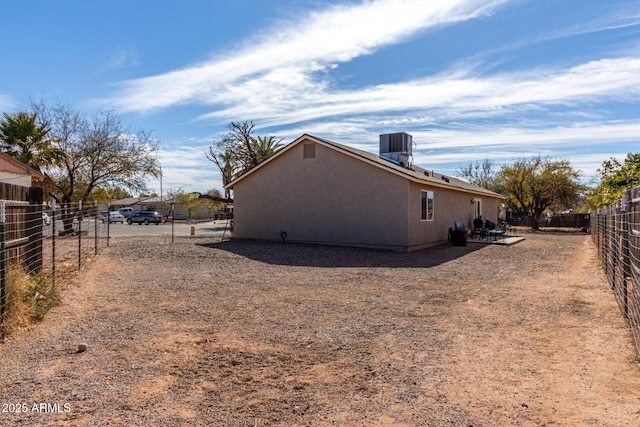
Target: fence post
[53, 242]
[95, 228]
[173, 221]
[108, 225]
[3, 277]
[34, 230]
[605, 241]
[600, 231]
[79, 234]
[624, 258]
[613, 247]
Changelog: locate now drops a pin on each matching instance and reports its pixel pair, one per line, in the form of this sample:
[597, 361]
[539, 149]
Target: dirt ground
[255, 334]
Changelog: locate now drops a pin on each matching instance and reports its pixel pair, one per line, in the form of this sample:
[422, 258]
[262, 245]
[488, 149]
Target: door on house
[478, 204]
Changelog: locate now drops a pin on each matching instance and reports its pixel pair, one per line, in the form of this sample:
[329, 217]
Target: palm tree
[27, 140]
[265, 147]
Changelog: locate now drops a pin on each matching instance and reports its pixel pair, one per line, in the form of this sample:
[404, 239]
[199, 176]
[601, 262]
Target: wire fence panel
[41, 247]
[615, 231]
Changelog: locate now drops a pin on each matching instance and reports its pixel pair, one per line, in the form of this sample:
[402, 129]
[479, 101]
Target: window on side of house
[427, 205]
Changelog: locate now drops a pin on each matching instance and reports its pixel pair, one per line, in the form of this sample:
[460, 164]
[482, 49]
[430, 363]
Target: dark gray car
[145, 218]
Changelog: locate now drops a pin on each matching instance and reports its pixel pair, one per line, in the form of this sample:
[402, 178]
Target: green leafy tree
[188, 200]
[536, 184]
[210, 203]
[29, 140]
[615, 178]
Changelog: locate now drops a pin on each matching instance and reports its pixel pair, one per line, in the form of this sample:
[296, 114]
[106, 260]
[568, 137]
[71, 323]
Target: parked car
[45, 219]
[114, 216]
[126, 212]
[145, 218]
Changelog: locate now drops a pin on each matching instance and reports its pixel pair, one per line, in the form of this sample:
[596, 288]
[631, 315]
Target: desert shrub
[28, 299]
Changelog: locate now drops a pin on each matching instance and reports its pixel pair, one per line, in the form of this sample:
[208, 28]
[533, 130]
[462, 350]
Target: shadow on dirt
[307, 255]
[214, 228]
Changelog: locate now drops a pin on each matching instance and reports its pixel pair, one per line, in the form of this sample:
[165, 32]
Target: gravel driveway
[254, 334]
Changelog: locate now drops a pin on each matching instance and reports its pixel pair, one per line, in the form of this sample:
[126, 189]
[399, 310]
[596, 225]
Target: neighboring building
[134, 202]
[318, 191]
[15, 172]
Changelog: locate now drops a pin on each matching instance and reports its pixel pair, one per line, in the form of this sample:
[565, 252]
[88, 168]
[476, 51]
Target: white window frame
[425, 213]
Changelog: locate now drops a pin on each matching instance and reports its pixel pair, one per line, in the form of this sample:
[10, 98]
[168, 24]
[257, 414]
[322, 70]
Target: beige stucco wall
[16, 178]
[449, 206]
[332, 198]
[337, 199]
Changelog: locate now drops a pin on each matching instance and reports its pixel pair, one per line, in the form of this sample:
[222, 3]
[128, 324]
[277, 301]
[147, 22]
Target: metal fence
[567, 220]
[41, 247]
[615, 231]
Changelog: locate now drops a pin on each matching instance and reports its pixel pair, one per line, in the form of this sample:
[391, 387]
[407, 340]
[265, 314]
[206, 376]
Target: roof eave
[286, 148]
[364, 159]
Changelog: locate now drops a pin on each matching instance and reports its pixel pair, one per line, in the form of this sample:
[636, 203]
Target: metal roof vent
[397, 148]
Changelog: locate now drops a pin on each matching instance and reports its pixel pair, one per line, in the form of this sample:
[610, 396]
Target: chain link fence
[615, 231]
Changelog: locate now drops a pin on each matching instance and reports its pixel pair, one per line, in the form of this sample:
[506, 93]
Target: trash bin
[459, 237]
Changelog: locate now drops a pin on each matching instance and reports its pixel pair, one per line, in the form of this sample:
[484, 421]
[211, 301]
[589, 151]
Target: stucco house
[15, 172]
[319, 191]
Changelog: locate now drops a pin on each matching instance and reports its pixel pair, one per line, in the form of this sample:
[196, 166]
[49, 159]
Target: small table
[497, 234]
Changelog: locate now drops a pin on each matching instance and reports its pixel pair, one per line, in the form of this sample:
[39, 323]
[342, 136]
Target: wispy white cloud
[185, 167]
[297, 51]
[450, 163]
[447, 96]
[284, 80]
[444, 148]
[612, 20]
[183, 156]
[505, 137]
[275, 81]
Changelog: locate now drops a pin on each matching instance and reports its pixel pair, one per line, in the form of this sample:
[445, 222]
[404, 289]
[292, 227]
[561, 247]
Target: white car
[126, 212]
[45, 219]
[114, 216]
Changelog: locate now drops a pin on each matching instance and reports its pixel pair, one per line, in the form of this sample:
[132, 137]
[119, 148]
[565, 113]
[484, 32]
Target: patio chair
[478, 228]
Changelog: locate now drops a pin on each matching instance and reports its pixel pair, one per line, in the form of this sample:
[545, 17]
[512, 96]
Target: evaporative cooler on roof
[397, 147]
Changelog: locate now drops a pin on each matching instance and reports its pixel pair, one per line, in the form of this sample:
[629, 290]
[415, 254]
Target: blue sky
[469, 79]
